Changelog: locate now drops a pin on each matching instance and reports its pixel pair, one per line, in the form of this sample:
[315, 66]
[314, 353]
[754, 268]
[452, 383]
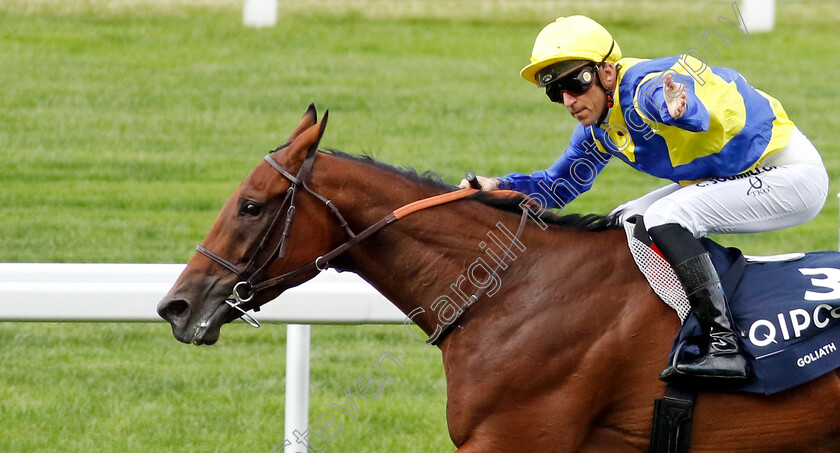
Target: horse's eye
[250, 208]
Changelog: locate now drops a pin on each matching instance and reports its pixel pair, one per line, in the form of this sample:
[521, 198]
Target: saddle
[787, 308]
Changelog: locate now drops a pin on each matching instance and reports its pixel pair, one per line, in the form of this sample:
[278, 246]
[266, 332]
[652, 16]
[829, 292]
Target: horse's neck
[431, 260]
[431, 266]
[413, 261]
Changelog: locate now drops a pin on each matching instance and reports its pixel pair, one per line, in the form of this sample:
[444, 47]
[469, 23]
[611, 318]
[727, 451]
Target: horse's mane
[428, 178]
[586, 222]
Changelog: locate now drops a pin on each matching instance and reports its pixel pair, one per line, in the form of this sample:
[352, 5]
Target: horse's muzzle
[190, 327]
[176, 312]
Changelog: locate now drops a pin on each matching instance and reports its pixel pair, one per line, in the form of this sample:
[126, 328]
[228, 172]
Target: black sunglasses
[575, 83]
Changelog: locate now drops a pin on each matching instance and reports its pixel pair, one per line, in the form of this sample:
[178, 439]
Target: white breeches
[788, 188]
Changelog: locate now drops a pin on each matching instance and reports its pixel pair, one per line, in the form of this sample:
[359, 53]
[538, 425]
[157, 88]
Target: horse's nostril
[173, 309]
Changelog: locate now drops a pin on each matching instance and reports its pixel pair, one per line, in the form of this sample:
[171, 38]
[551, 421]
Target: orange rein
[437, 200]
[432, 201]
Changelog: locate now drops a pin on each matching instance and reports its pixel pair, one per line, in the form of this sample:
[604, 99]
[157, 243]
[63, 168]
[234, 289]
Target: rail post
[297, 383]
[259, 13]
[759, 15]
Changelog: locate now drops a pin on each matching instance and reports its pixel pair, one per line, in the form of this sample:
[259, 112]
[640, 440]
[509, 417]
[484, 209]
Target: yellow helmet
[571, 39]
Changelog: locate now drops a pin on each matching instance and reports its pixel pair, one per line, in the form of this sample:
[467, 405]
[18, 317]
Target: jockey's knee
[665, 211]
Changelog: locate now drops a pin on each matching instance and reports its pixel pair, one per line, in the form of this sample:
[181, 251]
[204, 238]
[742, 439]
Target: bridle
[248, 285]
[245, 290]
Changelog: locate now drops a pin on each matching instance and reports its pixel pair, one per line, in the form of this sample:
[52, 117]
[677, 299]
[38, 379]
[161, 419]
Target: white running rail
[93, 292]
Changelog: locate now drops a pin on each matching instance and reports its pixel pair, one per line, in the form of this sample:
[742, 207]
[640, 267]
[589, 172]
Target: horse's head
[266, 239]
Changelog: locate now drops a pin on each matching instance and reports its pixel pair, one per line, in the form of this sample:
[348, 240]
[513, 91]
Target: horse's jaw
[207, 331]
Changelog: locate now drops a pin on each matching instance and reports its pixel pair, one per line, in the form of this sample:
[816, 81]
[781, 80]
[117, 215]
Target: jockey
[736, 162]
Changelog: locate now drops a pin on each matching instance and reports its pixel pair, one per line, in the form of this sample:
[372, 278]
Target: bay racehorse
[559, 353]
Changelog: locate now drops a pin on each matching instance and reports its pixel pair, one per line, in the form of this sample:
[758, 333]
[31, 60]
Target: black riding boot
[694, 268]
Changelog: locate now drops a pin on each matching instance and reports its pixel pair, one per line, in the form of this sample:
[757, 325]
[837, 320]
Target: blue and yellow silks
[728, 127]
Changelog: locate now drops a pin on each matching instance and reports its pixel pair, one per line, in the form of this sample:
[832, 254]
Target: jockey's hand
[674, 97]
[621, 213]
[487, 184]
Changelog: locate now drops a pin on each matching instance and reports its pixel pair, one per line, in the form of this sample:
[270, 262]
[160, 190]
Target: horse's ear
[307, 142]
[308, 120]
[323, 126]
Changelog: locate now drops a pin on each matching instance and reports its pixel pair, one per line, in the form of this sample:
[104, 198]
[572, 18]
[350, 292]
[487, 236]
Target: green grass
[125, 125]
[131, 388]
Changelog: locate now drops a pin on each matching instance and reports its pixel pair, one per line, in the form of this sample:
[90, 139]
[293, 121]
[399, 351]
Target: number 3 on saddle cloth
[787, 308]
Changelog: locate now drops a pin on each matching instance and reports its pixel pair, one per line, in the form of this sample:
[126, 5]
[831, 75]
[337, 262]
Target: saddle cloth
[786, 307]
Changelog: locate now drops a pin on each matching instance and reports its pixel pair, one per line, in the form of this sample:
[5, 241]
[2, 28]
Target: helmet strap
[598, 70]
[607, 91]
[609, 94]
